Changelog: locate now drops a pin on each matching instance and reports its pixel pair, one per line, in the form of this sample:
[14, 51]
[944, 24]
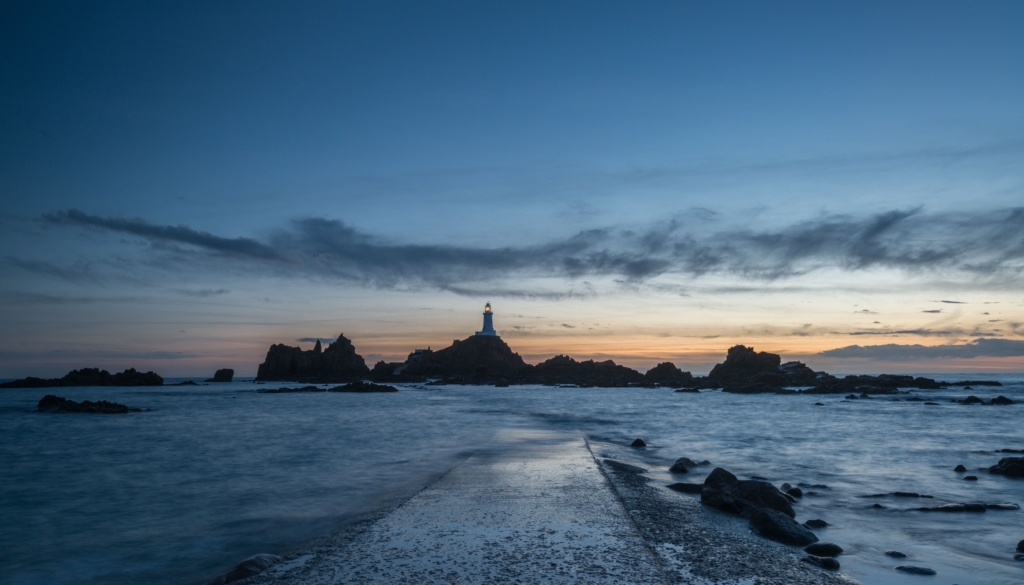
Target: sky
[185, 183]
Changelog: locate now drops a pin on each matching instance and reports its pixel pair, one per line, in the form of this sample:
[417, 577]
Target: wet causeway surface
[544, 511]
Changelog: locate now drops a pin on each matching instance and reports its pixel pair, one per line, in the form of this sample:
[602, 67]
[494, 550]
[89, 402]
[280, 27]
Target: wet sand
[546, 511]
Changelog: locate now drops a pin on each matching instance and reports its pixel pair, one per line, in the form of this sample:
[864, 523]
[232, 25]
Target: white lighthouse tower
[488, 322]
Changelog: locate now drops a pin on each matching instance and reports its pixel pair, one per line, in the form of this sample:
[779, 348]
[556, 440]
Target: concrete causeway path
[540, 511]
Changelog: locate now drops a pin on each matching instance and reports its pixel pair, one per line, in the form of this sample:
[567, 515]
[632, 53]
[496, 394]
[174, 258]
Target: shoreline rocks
[725, 491]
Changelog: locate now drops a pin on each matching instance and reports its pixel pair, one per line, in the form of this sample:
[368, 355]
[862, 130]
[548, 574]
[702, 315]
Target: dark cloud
[180, 234]
[567, 326]
[980, 245]
[204, 292]
[980, 347]
[919, 332]
[954, 302]
[932, 311]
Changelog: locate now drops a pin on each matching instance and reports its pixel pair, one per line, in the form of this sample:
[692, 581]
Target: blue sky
[185, 183]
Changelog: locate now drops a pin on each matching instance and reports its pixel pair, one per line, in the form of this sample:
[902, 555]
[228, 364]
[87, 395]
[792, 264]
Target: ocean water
[210, 475]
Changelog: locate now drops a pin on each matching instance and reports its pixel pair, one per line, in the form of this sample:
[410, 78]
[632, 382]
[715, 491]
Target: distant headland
[485, 359]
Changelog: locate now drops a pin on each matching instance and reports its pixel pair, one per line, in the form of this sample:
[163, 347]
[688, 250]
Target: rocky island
[338, 363]
[90, 377]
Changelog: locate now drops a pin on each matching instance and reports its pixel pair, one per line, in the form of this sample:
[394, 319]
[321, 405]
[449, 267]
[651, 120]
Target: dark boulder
[816, 523]
[959, 469]
[683, 465]
[970, 478]
[780, 527]
[1001, 401]
[910, 569]
[1020, 546]
[1009, 466]
[895, 554]
[638, 442]
[972, 399]
[824, 549]
[51, 403]
[724, 491]
[827, 563]
[223, 375]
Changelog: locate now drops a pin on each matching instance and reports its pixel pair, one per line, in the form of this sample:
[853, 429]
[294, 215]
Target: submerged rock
[51, 403]
[915, 570]
[638, 442]
[683, 465]
[824, 549]
[959, 469]
[360, 386]
[686, 488]
[895, 554]
[251, 566]
[1020, 546]
[1001, 401]
[816, 523]
[823, 562]
[780, 527]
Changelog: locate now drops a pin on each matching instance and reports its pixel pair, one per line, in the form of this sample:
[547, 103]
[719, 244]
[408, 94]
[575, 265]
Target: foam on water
[213, 474]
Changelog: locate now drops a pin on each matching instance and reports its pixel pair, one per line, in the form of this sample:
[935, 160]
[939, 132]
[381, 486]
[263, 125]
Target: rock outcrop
[223, 375]
[90, 377]
[478, 359]
[338, 363]
[51, 403]
[1009, 466]
[667, 374]
[564, 370]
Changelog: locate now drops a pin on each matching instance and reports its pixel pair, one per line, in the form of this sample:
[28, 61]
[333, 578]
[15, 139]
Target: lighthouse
[488, 322]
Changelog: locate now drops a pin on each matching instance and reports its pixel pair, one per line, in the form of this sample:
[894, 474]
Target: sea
[208, 475]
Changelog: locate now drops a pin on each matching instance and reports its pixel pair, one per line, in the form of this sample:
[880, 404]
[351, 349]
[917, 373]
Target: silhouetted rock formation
[338, 363]
[224, 375]
[742, 364]
[90, 377]
[563, 370]
[667, 374]
[478, 359]
[51, 403]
